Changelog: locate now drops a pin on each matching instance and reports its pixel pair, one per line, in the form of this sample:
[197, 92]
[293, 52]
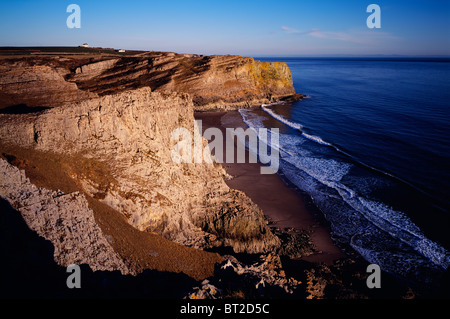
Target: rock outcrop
[233, 279]
[85, 161]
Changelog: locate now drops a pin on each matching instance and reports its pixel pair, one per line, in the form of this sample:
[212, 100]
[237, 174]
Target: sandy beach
[283, 206]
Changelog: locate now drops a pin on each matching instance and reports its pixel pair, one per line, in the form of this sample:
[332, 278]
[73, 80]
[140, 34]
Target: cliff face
[118, 151]
[64, 219]
[213, 82]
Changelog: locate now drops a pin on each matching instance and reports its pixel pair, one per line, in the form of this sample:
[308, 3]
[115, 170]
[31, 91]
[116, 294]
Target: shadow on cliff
[29, 270]
[22, 109]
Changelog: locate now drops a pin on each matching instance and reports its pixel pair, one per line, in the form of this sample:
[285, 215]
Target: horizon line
[319, 55]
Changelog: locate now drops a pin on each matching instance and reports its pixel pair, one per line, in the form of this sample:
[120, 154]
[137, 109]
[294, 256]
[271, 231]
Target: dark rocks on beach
[295, 244]
[293, 98]
[263, 279]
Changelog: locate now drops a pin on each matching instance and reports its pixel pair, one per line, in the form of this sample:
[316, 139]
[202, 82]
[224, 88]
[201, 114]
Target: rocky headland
[212, 82]
[85, 145]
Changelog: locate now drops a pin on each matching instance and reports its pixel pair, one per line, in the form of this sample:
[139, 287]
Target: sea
[370, 145]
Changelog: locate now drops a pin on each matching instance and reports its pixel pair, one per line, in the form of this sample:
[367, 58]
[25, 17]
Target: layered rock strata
[37, 83]
[213, 82]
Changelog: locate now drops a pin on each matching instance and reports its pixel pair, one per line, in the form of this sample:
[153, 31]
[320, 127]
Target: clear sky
[255, 28]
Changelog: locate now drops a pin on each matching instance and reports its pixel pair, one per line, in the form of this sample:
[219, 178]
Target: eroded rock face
[64, 219]
[128, 135]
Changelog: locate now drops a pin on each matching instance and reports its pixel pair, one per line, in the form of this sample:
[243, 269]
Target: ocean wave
[295, 125]
[396, 224]
[394, 257]
[317, 139]
[392, 240]
[281, 118]
[251, 119]
[399, 226]
[254, 122]
[321, 141]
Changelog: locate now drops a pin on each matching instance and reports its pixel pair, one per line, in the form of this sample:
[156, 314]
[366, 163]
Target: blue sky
[255, 28]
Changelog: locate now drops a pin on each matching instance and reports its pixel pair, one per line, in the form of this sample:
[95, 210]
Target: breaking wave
[376, 231]
[295, 125]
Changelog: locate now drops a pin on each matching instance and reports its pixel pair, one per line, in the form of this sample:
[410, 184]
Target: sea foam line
[295, 125]
[394, 223]
[254, 127]
[319, 140]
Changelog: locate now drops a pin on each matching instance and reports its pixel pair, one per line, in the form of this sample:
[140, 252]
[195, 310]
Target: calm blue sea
[371, 146]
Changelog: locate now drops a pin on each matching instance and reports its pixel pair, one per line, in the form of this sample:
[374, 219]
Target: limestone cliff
[119, 152]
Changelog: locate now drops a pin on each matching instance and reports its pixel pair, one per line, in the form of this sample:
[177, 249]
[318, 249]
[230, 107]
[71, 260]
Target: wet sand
[281, 204]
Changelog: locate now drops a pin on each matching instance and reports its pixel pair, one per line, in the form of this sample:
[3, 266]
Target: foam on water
[317, 139]
[281, 118]
[376, 231]
[295, 125]
[252, 120]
